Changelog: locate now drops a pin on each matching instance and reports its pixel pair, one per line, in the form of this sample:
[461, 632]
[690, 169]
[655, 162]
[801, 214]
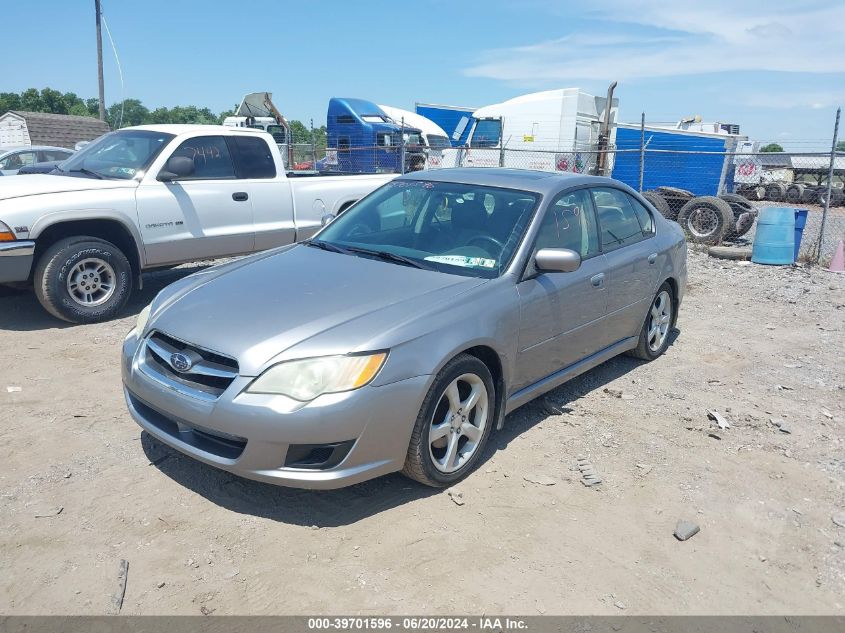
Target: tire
[706, 219]
[775, 191]
[659, 203]
[738, 204]
[795, 192]
[757, 193]
[647, 347]
[836, 197]
[423, 461]
[743, 224]
[730, 252]
[808, 196]
[674, 191]
[62, 267]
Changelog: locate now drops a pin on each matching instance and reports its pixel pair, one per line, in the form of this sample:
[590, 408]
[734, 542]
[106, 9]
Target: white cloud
[661, 39]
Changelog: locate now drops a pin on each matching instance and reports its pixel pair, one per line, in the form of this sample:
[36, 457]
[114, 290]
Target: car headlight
[141, 323]
[308, 378]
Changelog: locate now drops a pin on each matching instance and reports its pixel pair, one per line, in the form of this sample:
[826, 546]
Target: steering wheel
[487, 239]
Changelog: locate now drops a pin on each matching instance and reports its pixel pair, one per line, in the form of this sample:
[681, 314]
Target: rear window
[253, 158]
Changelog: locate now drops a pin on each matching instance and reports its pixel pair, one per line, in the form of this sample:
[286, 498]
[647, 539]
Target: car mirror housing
[557, 260]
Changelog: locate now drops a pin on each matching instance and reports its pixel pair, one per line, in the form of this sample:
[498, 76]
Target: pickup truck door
[206, 215]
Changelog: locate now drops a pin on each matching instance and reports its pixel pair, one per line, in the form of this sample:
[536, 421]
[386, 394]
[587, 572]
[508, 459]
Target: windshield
[455, 228]
[119, 155]
[436, 141]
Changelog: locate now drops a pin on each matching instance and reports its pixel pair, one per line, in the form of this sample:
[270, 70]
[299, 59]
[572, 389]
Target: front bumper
[16, 260]
[250, 435]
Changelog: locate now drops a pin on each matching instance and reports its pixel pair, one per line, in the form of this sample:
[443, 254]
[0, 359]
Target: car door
[203, 216]
[561, 314]
[630, 251]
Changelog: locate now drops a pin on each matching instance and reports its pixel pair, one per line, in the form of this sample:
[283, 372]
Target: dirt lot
[754, 343]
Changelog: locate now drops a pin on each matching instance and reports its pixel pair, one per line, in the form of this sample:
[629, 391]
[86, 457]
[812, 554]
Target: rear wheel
[453, 424]
[795, 192]
[706, 219]
[654, 337]
[83, 280]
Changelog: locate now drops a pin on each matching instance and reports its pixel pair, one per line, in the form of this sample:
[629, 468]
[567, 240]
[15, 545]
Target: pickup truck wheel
[453, 424]
[83, 280]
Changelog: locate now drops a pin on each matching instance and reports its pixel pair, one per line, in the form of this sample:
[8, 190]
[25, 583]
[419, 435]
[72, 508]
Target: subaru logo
[180, 362]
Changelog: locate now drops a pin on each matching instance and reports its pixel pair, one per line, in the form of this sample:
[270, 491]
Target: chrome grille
[206, 376]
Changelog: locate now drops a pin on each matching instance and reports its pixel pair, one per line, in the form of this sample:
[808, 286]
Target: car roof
[543, 182]
[22, 148]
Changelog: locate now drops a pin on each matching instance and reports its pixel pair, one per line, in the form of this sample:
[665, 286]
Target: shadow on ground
[20, 310]
[334, 508]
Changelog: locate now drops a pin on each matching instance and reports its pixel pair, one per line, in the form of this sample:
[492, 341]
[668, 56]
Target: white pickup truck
[155, 196]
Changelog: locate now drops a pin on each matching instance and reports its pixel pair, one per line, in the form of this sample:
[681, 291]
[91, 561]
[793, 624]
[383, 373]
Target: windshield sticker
[462, 260]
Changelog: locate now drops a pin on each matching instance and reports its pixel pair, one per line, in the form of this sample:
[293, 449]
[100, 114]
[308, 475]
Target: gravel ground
[82, 488]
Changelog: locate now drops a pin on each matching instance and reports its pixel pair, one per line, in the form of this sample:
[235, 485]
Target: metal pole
[402, 141]
[642, 150]
[313, 147]
[102, 88]
[829, 183]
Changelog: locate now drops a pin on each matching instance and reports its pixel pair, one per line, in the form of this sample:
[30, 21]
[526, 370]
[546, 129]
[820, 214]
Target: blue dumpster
[774, 241]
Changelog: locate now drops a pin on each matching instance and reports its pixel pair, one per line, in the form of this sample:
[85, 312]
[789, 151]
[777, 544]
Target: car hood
[257, 309]
[38, 184]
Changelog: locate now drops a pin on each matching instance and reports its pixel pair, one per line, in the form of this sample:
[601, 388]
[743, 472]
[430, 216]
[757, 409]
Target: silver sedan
[400, 336]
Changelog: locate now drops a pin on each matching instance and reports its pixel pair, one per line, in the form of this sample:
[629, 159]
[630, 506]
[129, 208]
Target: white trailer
[554, 130]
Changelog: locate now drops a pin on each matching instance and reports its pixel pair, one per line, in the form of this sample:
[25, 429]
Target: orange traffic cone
[837, 264]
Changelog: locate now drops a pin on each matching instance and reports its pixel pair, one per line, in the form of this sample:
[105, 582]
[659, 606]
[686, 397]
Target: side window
[254, 159]
[643, 215]
[393, 213]
[16, 161]
[570, 223]
[617, 220]
[54, 154]
[211, 157]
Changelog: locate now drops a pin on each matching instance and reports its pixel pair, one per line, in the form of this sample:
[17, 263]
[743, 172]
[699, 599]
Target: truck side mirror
[177, 167]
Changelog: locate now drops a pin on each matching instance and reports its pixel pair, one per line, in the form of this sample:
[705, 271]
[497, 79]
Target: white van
[554, 130]
[434, 137]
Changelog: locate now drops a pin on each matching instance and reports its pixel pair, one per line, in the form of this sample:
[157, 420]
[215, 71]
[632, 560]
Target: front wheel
[654, 337]
[83, 280]
[453, 424]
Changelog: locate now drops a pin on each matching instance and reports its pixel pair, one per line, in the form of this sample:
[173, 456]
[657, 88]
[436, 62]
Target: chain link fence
[714, 185]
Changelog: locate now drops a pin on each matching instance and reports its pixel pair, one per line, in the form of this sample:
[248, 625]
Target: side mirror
[326, 219]
[177, 167]
[557, 260]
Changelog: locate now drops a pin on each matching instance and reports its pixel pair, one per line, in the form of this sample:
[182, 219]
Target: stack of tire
[705, 219]
[794, 193]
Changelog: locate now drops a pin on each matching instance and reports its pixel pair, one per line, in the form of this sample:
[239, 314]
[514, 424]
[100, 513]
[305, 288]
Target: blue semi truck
[362, 139]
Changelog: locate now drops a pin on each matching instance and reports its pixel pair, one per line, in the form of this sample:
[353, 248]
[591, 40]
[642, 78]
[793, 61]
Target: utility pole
[100, 62]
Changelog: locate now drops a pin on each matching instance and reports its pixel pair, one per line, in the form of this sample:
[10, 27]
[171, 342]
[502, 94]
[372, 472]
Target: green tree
[771, 147]
[9, 101]
[53, 101]
[130, 112]
[31, 100]
[840, 146]
[93, 106]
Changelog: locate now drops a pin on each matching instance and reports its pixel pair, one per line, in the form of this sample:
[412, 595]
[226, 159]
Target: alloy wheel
[91, 282]
[660, 319]
[458, 423]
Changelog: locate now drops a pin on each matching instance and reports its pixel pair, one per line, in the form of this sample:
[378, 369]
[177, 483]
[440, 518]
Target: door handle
[652, 258]
[240, 196]
[597, 280]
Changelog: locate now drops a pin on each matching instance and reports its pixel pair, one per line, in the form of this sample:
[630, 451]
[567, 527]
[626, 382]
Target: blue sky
[776, 67]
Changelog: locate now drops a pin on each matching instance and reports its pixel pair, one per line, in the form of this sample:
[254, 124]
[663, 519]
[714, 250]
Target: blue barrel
[800, 223]
[774, 241]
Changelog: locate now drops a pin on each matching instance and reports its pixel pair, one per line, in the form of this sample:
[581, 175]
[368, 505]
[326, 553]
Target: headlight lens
[306, 379]
[141, 323]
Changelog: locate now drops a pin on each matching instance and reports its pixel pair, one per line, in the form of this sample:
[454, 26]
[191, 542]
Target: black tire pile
[705, 219]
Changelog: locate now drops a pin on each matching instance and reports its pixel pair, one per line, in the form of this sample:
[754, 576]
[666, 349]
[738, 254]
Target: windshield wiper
[391, 257]
[84, 170]
[326, 246]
